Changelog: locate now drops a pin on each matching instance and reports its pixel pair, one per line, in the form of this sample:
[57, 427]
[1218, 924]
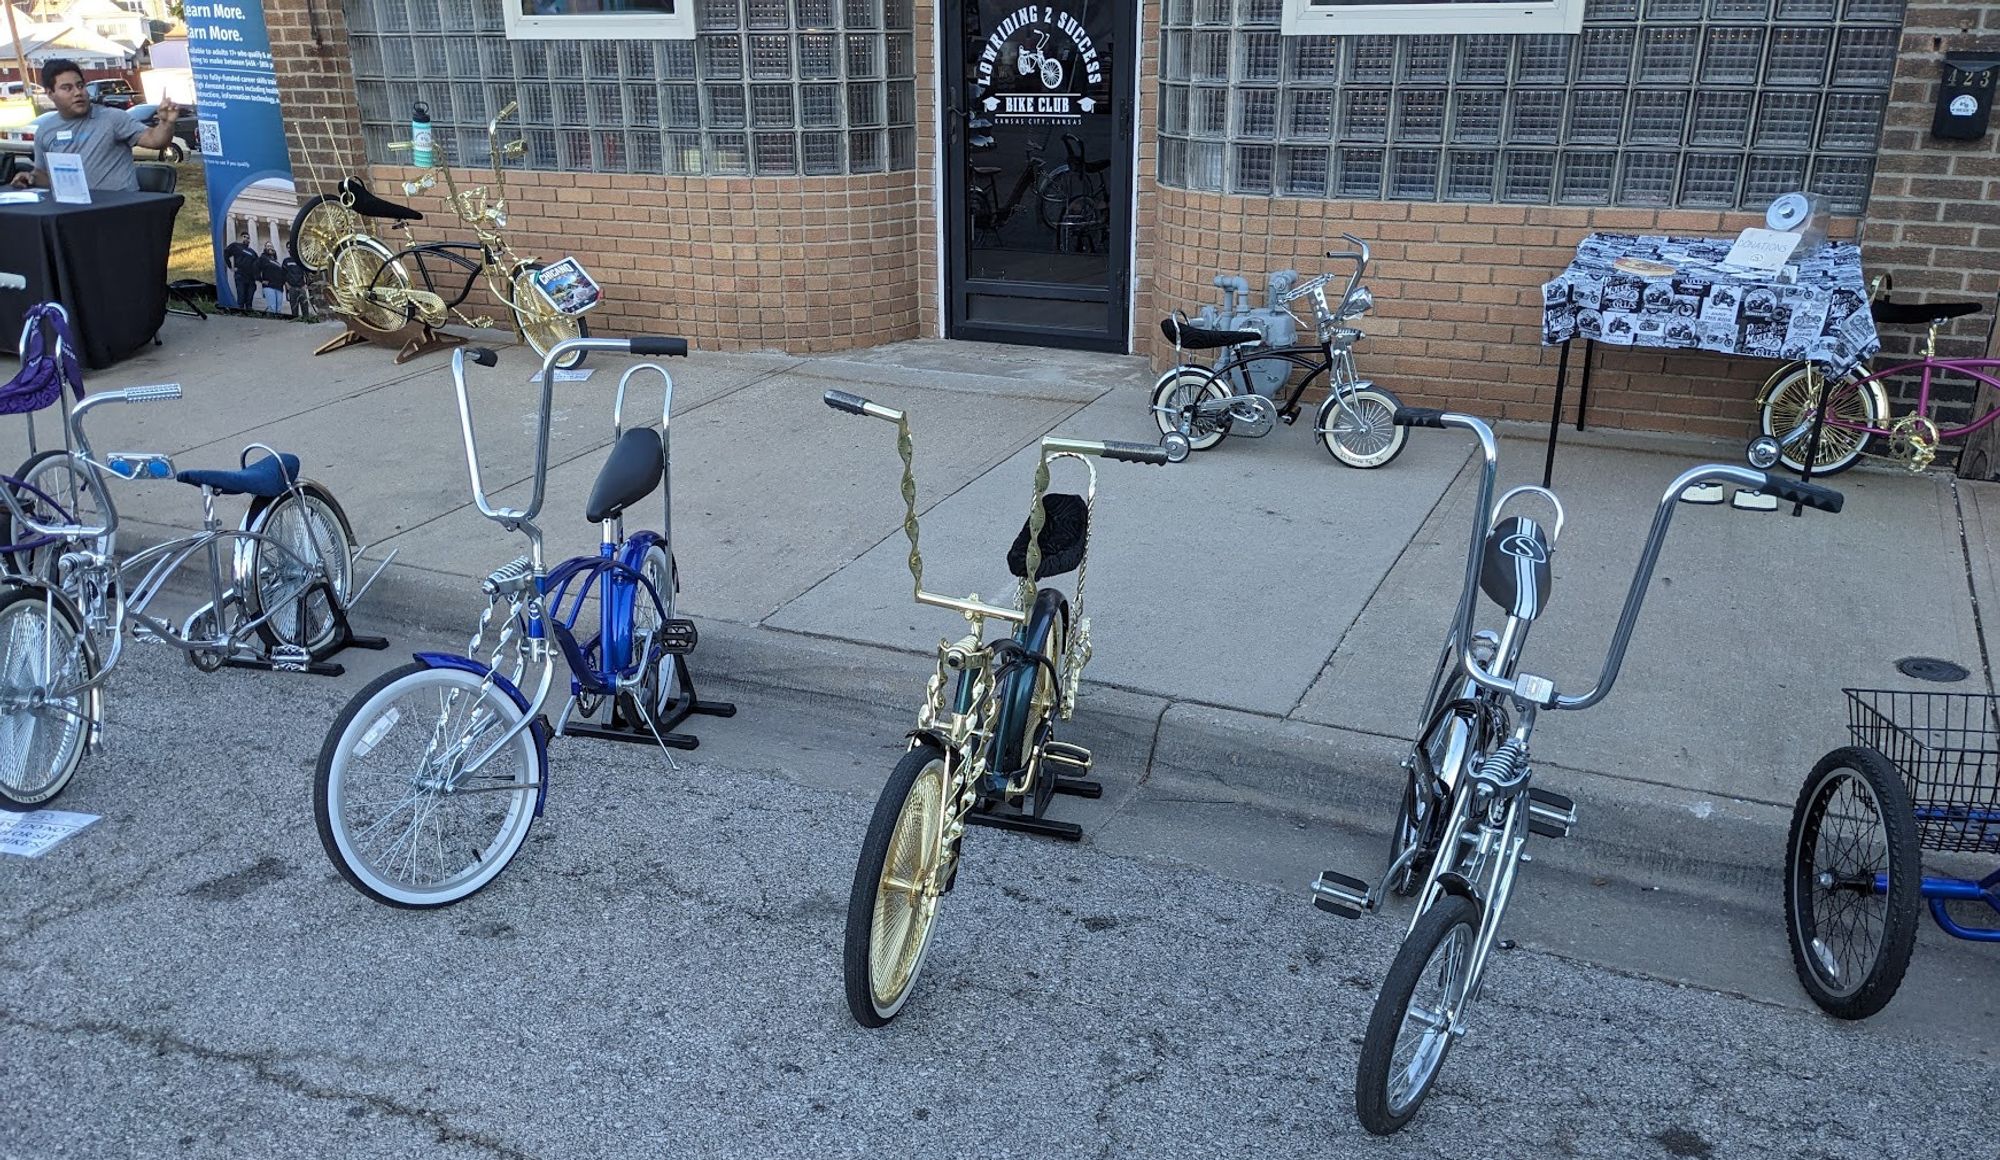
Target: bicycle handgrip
[842, 401]
[483, 356]
[664, 347]
[1810, 494]
[1128, 452]
[153, 394]
[511, 108]
[1419, 417]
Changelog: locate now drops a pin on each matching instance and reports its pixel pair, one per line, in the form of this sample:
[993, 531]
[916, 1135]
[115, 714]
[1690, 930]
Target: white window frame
[679, 25]
[1307, 18]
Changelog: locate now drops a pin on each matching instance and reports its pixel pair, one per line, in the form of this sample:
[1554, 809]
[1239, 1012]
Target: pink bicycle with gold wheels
[1805, 417]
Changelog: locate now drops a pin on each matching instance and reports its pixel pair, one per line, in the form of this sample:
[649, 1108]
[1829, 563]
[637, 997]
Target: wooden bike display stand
[413, 339]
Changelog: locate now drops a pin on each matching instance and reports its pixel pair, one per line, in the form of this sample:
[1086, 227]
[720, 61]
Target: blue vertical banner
[250, 194]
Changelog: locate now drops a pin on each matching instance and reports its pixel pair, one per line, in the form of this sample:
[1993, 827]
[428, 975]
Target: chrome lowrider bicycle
[984, 751]
[1205, 403]
[1468, 806]
[279, 588]
[429, 780]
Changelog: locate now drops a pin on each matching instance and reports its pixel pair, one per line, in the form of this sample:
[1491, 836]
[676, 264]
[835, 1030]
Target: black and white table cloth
[1676, 293]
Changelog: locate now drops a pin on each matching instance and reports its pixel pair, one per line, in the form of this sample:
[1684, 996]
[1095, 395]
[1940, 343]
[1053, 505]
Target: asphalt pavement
[657, 974]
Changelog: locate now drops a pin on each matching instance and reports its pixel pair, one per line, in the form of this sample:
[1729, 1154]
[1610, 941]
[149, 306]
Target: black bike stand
[1031, 820]
[292, 659]
[622, 728]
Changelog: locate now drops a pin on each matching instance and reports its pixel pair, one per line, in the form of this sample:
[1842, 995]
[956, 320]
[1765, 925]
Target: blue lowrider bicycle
[430, 779]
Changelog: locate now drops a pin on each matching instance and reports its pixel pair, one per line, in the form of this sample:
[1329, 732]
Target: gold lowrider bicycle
[984, 751]
[370, 283]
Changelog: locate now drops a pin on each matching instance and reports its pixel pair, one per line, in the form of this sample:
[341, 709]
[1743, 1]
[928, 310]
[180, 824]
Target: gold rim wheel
[1792, 403]
[540, 323]
[906, 897]
[319, 229]
[365, 281]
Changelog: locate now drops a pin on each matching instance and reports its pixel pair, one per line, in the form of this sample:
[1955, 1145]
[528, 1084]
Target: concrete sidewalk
[1265, 620]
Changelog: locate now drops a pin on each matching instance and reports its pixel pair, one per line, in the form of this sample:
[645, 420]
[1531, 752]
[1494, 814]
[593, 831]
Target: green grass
[193, 252]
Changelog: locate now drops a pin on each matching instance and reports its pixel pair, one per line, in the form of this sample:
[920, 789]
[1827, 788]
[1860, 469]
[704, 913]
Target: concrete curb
[1171, 749]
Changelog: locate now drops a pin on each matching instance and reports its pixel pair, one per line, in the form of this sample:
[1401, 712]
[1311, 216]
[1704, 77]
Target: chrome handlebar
[557, 353]
[86, 465]
[1537, 691]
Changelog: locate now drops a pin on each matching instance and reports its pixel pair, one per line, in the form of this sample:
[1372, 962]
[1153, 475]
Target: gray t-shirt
[104, 138]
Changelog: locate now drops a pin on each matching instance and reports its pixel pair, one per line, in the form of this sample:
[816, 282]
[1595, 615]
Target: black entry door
[1038, 177]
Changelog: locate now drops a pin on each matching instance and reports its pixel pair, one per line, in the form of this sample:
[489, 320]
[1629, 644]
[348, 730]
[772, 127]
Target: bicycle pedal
[289, 658]
[1550, 815]
[1342, 894]
[678, 637]
[1070, 756]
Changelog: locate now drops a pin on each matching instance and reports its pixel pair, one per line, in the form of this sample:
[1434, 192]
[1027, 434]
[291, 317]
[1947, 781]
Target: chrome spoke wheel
[1417, 1015]
[402, 811]
[43, 722]
[1359, 429]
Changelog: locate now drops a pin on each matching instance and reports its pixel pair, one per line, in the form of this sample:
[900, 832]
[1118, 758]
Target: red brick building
[815, 174]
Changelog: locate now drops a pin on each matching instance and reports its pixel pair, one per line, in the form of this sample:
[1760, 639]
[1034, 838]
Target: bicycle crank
[1251, 416]
[1914, 440]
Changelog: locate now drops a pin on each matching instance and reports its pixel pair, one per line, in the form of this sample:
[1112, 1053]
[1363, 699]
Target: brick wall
[1934, 210]
[797, 264]
[1458, 293]
[1456, 286]
[810, 263]
[315, 87]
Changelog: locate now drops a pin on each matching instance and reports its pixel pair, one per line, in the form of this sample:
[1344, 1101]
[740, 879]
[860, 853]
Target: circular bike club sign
[1043, 83]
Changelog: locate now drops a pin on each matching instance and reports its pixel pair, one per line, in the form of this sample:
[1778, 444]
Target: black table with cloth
[106, 262]
[1674, 293]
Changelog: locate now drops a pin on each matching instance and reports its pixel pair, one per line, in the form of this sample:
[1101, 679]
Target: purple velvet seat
[48, 360]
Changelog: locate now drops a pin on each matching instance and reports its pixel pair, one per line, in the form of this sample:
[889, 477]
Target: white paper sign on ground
[566, 376]
[1765, 251]
[66, 177]
[33, 834]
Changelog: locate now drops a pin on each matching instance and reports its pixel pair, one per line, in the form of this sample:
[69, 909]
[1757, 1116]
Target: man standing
[241, 261]
[103, 136]
[295, 286]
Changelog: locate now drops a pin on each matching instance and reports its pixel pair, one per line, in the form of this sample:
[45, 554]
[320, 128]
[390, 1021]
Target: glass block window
[766, 87]
[1713, 104]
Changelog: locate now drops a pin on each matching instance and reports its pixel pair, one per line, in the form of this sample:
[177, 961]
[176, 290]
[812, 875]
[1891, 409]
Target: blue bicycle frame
[1939, 891]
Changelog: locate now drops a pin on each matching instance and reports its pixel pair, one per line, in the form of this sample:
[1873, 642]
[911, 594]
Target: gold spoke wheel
[540, 323]
[901, 874]
[1797, 395]
[318, 228]
[368, 284]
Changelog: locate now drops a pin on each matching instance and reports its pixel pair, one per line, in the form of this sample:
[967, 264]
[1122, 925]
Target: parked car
[187, 133]
[15, 90]
[112, 93]
[20, 139]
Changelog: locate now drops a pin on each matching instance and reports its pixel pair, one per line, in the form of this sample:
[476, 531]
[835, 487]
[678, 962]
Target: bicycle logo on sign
[1031, 31]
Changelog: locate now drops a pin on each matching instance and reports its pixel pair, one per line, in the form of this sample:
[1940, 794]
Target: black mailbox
[1965, 97]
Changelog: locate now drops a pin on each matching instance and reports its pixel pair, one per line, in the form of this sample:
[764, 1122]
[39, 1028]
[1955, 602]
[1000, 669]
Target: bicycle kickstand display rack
[291, 658]
[623, 725]
[411, 341]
